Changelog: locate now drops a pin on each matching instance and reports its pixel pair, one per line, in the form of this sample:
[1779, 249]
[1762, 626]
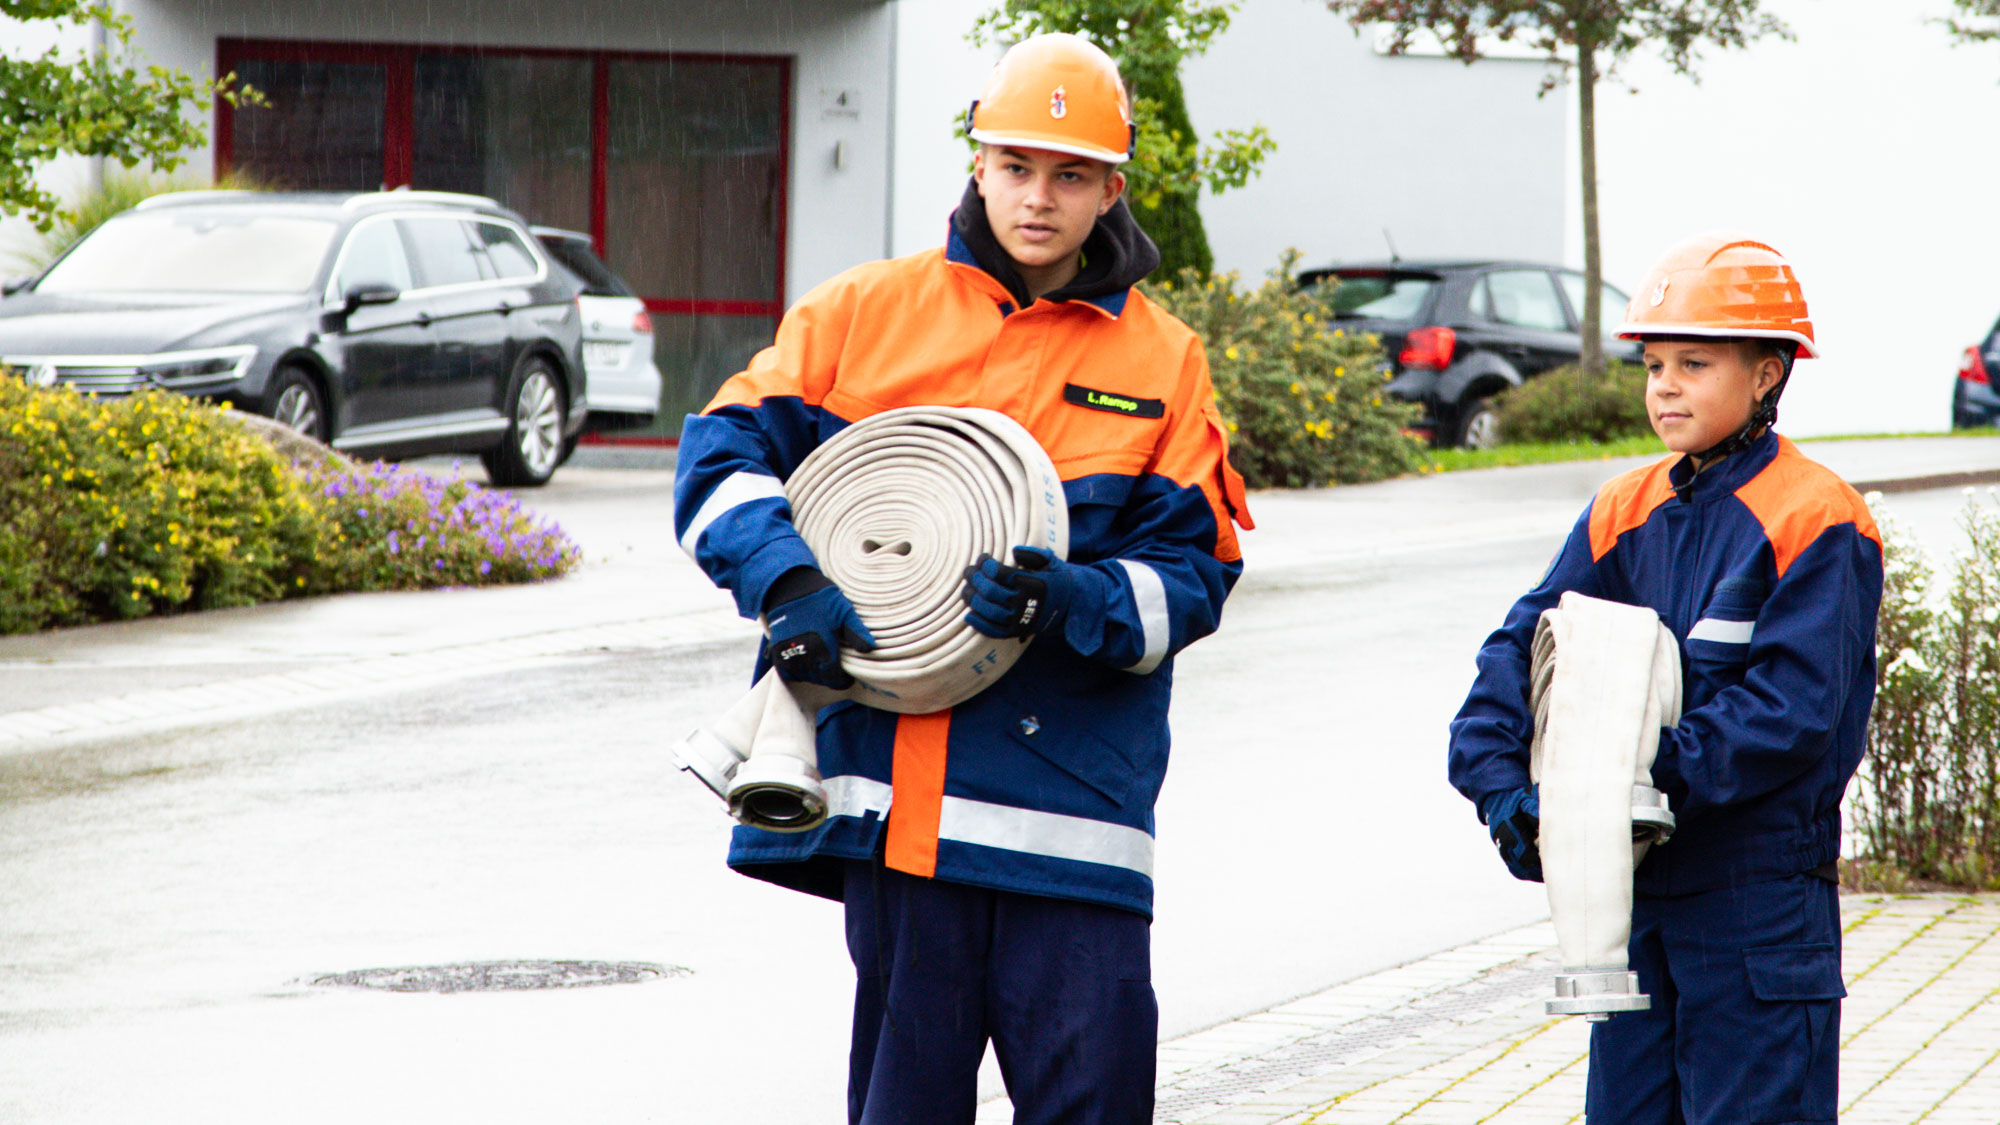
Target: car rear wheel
[296, 403]
[532, 448]
[1479, 425]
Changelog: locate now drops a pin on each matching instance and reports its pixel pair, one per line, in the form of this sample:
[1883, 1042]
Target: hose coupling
[778, 793]
[1652, 821]
[1598, 995]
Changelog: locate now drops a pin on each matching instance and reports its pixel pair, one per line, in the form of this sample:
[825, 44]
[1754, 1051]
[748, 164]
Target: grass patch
[1983, 431]
[1552, 452]
[1537, 453]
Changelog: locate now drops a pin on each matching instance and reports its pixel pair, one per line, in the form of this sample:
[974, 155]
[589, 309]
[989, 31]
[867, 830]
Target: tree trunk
[1593, 264]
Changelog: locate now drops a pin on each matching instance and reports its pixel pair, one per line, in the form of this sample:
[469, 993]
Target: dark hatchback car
[1458, 332]
[388, 324]
[1974, 400]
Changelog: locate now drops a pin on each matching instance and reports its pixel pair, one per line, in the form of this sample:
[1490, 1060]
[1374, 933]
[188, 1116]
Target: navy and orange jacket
[1045, 783]
[1769, 570]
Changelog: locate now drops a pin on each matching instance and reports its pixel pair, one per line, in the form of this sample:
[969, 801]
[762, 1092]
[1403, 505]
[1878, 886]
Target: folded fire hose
[894, 507]
[1606, 678]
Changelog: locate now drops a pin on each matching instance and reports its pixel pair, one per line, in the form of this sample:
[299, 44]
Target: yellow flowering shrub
[156, 503]
[1301, 397]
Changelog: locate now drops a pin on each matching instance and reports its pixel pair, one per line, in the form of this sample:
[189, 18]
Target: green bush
[1928, 802]
[1301, 397]
[158, 503]
[1567, 405]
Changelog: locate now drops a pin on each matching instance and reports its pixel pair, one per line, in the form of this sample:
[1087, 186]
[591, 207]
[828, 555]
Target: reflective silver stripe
[1149, 594]
[1044, 833]
[736, 488]
[850, 794]
[1725, 632]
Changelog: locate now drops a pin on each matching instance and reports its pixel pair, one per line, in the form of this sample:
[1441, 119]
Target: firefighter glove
[1514, 818]
[806, 635]
[1021, 600]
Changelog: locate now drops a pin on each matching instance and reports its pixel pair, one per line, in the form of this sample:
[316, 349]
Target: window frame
[399, 62]
[1555, 290]
[333, 298]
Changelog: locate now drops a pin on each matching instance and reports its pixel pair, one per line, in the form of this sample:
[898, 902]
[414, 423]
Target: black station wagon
[1456, 333]
[387, 324]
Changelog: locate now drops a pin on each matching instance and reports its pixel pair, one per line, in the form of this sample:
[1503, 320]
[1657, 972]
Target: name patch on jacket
[1114, 403]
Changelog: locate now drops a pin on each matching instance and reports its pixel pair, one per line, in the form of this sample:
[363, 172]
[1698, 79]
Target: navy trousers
[1745, 1023]
[1062, 989]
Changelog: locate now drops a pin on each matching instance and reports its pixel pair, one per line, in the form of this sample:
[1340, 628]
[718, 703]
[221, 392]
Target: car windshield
[1381, 295]
[597, 278]
[194, 252]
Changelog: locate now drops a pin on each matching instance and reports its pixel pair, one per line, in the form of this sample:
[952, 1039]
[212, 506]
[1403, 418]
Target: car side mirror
[371, 293]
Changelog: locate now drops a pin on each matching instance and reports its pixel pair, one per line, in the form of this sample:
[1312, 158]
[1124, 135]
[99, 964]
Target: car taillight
[642, 323]
[1972, 369]
[1429, 347]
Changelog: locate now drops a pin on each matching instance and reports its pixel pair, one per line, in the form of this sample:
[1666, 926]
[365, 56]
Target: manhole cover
[501, 976]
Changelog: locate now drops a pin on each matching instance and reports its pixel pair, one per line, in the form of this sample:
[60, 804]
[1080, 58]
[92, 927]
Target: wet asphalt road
[166, 899]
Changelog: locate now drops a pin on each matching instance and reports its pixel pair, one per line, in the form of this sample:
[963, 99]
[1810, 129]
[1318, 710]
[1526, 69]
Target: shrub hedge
[1567, 405]
[157, 503]
[1928, 802]
[1302, 397]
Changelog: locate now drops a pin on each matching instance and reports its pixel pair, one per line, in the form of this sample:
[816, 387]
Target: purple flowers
[468, 534]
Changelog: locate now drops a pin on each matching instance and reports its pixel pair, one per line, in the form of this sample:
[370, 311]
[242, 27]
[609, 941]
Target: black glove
[1019, 601]
[808, 630]
[1514, 817]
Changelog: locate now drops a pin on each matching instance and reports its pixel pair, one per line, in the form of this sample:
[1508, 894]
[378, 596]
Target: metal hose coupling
[759, 757]
[1598, 995]
[894, 507]
[1652, 821]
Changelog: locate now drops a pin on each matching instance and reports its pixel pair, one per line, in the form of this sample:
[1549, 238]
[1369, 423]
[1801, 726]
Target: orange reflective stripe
[918, 777]
[1795, 499]
[1625, 502]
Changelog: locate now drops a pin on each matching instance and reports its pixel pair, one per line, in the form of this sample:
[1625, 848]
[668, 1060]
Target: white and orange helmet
[1722, 285]
[1056, 92]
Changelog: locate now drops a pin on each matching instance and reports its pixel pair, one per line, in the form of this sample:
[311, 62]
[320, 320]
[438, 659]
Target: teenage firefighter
[1769, 570]
[995, 860]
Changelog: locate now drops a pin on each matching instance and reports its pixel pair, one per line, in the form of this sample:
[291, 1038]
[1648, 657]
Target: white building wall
[1451, 160]
[837, 214]
[937, 75]
[1865, 152]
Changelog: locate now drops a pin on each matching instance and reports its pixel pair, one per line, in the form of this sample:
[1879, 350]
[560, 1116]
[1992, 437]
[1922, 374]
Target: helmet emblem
[1660, 293]
[1059, 104]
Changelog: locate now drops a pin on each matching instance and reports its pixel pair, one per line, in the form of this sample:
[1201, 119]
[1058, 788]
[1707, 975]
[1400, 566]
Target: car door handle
[423, 320]
[505, 308]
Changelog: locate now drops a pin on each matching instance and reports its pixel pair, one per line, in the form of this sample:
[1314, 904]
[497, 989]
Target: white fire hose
[1607, 677]
[894, 507]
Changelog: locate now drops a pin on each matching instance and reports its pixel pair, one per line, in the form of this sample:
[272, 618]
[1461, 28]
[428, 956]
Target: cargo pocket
[1800, 987]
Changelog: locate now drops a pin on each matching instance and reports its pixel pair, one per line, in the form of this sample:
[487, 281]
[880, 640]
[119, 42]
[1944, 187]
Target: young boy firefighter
[1007, 892]
[1768, 571]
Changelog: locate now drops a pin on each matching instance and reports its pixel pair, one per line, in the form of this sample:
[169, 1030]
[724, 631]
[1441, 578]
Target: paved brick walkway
[1460, 1038]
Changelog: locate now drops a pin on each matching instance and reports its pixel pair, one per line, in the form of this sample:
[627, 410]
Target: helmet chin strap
[1761, 419]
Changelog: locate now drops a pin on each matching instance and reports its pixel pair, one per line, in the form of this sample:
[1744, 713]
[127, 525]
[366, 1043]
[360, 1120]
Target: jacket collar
[1725, 476]
[1116, 256]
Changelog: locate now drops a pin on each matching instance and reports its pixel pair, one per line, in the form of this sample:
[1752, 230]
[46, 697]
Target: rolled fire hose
[894, 508]
[1606, 678]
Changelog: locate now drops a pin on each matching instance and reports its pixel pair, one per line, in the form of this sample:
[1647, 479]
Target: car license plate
[604, 353]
